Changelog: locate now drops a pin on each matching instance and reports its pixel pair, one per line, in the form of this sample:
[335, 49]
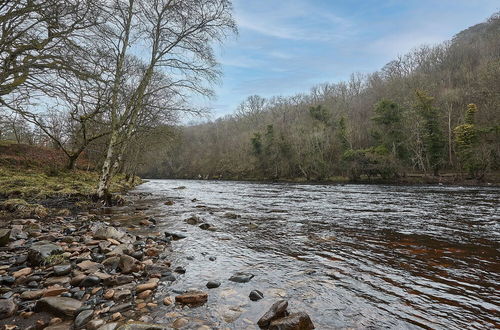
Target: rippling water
[351, 256]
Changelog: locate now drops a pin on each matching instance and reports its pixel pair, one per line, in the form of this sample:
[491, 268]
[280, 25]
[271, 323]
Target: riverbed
[351, 256]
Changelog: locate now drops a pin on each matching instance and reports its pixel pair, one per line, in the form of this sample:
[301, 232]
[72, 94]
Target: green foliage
[342, 133]
[432, 134]
[257, 144]
[320, 113]
[474, 157]
[389, 132]
[371, 162]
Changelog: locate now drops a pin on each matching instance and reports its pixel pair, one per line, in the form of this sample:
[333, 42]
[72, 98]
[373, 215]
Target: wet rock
[167, 301]
[295, 321]
[180, 270]
[4, 236]
[132, 325]
[241, 277]
[61, 306]
[121, 294]
[192, 298]
[90, 281]
[109, 294]
[61, 280]
[7, 308]
[41, 250]
[193, 220]
[75, 281]
[180, 323]
[175, 236]
[204, 226]
[256, 295]
[146, 286]
[120, 308]
[61, 270]
[213, 284]
[144, 294]
[95, 324]
[277, 310]
[230, 215]
[212, 258]
[169, 203]
[83, 318]
[109, 326]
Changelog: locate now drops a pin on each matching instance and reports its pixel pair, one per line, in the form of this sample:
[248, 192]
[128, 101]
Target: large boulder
[277, 310]
[60, 306]
[7, 308]
[295, 321]
[40, 251]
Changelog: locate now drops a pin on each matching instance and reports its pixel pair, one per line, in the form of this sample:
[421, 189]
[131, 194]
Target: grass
[35, 173]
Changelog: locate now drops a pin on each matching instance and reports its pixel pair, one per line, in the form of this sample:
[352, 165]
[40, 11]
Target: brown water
[351, 256]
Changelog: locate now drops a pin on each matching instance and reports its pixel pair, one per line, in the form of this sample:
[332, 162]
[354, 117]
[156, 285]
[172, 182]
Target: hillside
[404, 119]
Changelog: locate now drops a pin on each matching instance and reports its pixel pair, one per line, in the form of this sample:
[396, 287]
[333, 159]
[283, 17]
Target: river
[351, 256]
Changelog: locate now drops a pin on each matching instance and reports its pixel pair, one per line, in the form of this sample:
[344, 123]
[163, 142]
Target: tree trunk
[72, 161]
[105, 179]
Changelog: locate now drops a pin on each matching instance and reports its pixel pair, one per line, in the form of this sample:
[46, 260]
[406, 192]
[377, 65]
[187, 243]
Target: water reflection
[351, 256]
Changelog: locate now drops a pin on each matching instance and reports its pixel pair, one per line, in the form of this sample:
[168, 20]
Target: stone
[180, 322]
[167, 301]
[22, 272]
[121, 294]
[255, 295]
[169, 203]
[213, 284]
[89, 266]
[7, 308]
[55, 320]
[31, 295]
[241, 277]
[95, 324]
[277, 310]
[39, 251]
[4, 236]
[175, 236]
[116, 316]
[83, 318]
[144, 294]
[133, 325]
[193, 220]
[180, 270]
[295, 321]
[146, 286]
[54, 291]
[105, 232]
[109, 294]
[57, 280]
[62, 270]
[90, 281]
[204, 226]
[60, 306]
[129, 264]
[121, 307]
[109, 326]
[192, 298]
[75, 281]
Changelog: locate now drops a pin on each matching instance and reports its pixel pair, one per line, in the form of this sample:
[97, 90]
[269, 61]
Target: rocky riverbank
[85, 270]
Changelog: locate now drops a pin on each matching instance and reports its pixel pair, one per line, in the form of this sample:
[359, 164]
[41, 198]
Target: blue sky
[288, 46]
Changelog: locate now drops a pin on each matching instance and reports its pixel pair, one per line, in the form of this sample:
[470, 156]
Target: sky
[286, 47]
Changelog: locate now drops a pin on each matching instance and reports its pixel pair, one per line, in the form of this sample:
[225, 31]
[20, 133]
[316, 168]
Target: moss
[37, 184]
[54, 259]
[23, 208]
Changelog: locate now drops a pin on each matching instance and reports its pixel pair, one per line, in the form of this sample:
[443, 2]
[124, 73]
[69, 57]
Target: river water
[351, 256]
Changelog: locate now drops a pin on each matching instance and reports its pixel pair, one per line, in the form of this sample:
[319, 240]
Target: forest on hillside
[433, 110]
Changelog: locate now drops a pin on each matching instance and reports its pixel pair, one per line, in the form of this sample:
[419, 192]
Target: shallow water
[351, 256]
